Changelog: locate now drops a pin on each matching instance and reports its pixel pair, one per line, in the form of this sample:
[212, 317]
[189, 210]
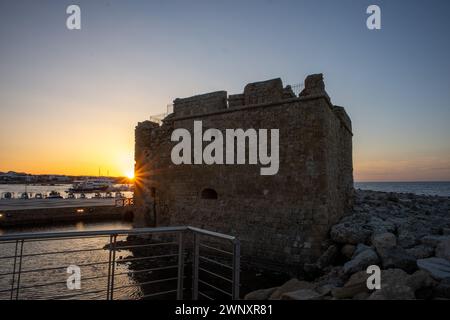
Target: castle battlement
[262, 92]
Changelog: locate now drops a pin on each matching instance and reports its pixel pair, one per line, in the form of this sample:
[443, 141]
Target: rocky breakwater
[407, 236]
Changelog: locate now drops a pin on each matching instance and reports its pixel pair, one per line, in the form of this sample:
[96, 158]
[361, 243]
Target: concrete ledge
[52, 215]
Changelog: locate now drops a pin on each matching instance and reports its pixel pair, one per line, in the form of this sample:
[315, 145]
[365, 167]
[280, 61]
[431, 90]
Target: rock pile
[406, 235]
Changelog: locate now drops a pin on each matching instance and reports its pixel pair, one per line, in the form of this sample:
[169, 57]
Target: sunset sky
[69, 100]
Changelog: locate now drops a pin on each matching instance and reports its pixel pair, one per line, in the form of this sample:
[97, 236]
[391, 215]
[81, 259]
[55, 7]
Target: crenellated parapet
[255, 94]
[200, 104]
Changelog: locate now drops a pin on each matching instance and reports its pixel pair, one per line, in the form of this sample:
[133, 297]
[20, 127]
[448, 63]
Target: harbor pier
[16, 212]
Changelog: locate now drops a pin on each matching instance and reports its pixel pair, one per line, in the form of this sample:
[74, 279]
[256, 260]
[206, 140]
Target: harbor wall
[43, 216]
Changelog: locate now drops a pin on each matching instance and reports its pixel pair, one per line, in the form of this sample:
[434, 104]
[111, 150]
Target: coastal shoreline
[406, 235]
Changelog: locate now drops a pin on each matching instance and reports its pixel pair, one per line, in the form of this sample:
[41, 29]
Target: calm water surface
[427, 188]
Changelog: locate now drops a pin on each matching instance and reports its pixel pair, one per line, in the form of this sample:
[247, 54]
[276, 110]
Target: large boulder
[394, 286]
[419, 279]
[394, 292]
[354, 286]
[443, 249]
[262, 294]
[438, 268]
[290, 286]
[361, 261]
[433, 240]
[412, 230]
[421, 251]
[407, 239]
[384, 240]
[361, 296]
[380, 226]
[397, 257]
[302, 294]
[351, 233]
[334, 278]
[360, 248]
[442, 290]
[393, 276]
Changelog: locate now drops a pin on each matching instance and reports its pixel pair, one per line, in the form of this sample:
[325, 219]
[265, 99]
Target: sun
[130, 175]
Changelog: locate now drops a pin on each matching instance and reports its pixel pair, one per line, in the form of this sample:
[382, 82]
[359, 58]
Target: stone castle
[281, 220]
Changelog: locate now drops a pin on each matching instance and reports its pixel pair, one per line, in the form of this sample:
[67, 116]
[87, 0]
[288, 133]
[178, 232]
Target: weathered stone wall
[281, 220]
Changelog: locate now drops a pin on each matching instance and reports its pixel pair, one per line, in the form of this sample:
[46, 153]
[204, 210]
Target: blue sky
[131, 58]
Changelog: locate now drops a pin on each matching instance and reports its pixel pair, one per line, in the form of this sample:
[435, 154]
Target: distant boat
[91, 185]
[7, 195]
[119, 195]
[24, 196]
[97, 195]
[54, 195]
[38, 196]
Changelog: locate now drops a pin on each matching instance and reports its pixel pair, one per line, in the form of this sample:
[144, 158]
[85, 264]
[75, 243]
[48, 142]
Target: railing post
[180, 266]
[195, 260]
[113, 267]
[108, 285]
[236, 268]
[20, 270]
[14, 270]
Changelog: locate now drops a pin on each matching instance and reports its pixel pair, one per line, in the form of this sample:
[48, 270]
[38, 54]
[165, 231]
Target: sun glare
[130, 174]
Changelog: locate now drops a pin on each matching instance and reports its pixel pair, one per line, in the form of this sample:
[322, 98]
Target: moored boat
[119, 195]
[97, 195]
[54, 195]
[24, 196]
[7, 195]
[91, 185]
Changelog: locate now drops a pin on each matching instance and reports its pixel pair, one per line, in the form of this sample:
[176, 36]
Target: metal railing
[297, 88]
[158, 118]
[162, 263]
